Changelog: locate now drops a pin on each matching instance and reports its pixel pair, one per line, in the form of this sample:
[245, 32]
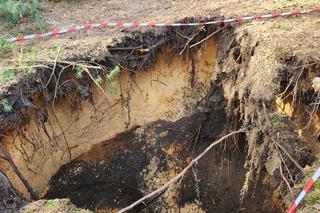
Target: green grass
[23, 30]
[113, 85]
[7, 75]
[5, 47]
[313, 196]
[79, 72]
[12, 11]
[113, 73]
[20, 65]
[6, 105]
[24, 58]
[98, 80]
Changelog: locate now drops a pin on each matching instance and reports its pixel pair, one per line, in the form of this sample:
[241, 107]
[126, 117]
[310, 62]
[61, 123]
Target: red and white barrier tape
[305, 190]
[218, 22]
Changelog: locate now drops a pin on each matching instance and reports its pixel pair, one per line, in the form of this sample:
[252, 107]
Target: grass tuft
[113, 73]
[7, 75]
[5, 47]
[6, 105]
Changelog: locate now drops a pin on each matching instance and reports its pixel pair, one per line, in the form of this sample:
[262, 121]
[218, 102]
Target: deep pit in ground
[147, 130]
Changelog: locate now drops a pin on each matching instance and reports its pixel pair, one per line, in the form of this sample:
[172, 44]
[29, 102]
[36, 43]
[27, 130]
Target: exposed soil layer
[110, 178]
[299, 98]
[176, 87]
[104, 150]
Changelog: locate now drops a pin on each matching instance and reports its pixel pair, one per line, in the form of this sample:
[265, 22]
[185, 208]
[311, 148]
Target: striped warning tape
[104, 24]
[305, 190]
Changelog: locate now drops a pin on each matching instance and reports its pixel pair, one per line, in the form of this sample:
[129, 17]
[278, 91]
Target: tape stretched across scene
[305, 190]
[217, 22]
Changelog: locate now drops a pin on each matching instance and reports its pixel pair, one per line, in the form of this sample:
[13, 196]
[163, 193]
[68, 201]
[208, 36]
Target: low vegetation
[5, 47]
[5, 105]
[15, 11]
[313, 196]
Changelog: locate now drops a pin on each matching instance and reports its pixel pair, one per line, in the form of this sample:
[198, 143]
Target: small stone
[316, 84]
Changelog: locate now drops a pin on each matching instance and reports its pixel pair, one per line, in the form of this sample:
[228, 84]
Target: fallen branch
[180, 175]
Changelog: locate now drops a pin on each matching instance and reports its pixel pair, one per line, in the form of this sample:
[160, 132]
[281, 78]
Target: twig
[94, 81]
[290, 157]
[183, 36]
[25, 67]
[181, 174]
[284, 178]
[190, 39]
[57, 85]
[285, 165]
[209, 36]
[282, 159]
[54, 66]
[124, 48]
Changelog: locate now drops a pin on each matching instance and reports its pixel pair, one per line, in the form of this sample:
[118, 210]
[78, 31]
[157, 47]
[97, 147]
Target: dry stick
[54, 67]
[206, 38]
[25, 67]
[290, 157]
[285, 165]
[57, 84]
[284, 178]
[8, 158]
[181, 174]
[190, 39]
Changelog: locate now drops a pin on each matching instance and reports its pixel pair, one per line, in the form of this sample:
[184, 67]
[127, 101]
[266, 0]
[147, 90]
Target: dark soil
[10, 199]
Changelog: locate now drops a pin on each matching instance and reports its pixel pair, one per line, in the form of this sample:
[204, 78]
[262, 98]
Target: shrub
[13, 10]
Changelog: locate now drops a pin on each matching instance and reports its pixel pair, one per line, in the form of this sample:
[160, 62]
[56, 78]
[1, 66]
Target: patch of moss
[277, 120]
[51, 204]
